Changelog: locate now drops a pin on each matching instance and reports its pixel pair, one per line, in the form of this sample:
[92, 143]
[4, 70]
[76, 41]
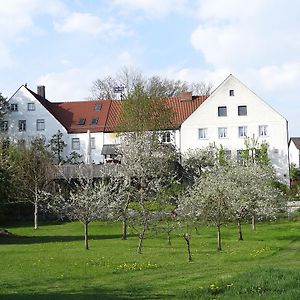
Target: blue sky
[66, 45]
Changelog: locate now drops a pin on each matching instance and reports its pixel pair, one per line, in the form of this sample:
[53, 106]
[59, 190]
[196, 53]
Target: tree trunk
[169, 238]
[219, 237]
[141, 237]
[86, 240]
[253, 222]
[124, 229]
[187, 238]
[36, 215]
[240, 234]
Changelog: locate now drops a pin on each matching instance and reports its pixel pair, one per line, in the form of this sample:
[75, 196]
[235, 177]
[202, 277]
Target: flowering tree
[88, 201]
[145, 163]
[254, 193]
[123, 194]
[208, 199]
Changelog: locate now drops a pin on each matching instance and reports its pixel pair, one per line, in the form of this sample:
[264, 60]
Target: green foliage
[255, 152]
[74, 158]
[3, 106]
[139, 113]
[57, 146]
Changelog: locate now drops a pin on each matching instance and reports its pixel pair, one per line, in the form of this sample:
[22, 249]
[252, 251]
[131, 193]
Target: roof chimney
[185, 96]
[41, 91]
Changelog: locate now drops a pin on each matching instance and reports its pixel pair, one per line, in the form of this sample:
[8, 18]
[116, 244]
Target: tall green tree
[57, 146]
[140, 113]
[3, 106]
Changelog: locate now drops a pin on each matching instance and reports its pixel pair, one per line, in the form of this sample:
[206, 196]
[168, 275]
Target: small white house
[228, 116]
[294, 151]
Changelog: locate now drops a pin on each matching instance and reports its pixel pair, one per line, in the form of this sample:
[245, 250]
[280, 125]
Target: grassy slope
[51, 262]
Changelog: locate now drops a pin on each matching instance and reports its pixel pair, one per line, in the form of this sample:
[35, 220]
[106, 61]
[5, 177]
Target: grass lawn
[51, 263]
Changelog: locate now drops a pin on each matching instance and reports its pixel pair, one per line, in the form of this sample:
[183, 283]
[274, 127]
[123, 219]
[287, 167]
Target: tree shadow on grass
[96, 293]
[10, 240]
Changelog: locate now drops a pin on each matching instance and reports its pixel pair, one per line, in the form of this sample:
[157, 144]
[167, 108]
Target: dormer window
[81, 121]
[98, 106]
[13, 107]
[30, 106]
[94, 121]
[231, 93]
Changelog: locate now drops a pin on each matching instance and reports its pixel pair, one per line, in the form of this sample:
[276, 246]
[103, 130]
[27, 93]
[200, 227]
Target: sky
[67, 44]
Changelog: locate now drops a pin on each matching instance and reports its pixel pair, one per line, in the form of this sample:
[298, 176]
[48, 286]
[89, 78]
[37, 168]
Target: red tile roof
[69, 113]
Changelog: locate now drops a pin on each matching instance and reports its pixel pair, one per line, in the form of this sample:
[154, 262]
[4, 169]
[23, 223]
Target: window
[81, 121]
[40, 124]
[231, 93]
[94, 121]
[166, 137]
[263, 130]
[75, 144]
[202, 133]
[30, 106]
[222, 111]
[242, 110]
[227, 154]
[98, 106]
[93, 143]
[239, 154]
[22, 125]
[4, 126]
[222, 132]
[14, 107]
[242, 131]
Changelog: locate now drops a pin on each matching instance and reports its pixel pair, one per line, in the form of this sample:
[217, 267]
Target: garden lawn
[51, 263]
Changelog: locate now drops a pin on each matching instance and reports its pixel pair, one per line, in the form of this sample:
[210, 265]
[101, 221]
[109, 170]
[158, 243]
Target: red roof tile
[69, 113]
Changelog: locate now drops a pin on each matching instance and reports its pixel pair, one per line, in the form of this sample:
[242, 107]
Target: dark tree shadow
[51, 239]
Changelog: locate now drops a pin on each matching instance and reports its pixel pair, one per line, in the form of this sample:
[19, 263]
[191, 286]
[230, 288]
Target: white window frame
[231, 93]
[222, 132]
[31, 106]
[202, 133]
[75, 143]
[14, 107]
[93, 143]
[22, 125]
[166, 137]
[40, 124]
[263, 130]
[242, 131]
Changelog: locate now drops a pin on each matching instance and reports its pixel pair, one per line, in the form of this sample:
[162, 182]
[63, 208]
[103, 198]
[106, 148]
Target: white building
[229, 115]
[294, 151]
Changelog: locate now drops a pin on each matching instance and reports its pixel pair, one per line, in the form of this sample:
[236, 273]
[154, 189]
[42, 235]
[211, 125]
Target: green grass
[51, 263]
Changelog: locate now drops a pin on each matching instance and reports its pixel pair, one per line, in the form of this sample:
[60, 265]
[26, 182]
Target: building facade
[227, 117]
[294, 151]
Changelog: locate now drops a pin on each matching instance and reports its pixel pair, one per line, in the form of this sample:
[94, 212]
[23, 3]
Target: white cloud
[17, 23]
[247, 34]
[90, 24]
[75, 83]
[154, 8]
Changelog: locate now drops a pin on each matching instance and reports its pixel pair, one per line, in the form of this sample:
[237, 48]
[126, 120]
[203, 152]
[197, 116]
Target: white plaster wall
[96, 156]
[294, 154]
[22, 97]
[258, 113]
